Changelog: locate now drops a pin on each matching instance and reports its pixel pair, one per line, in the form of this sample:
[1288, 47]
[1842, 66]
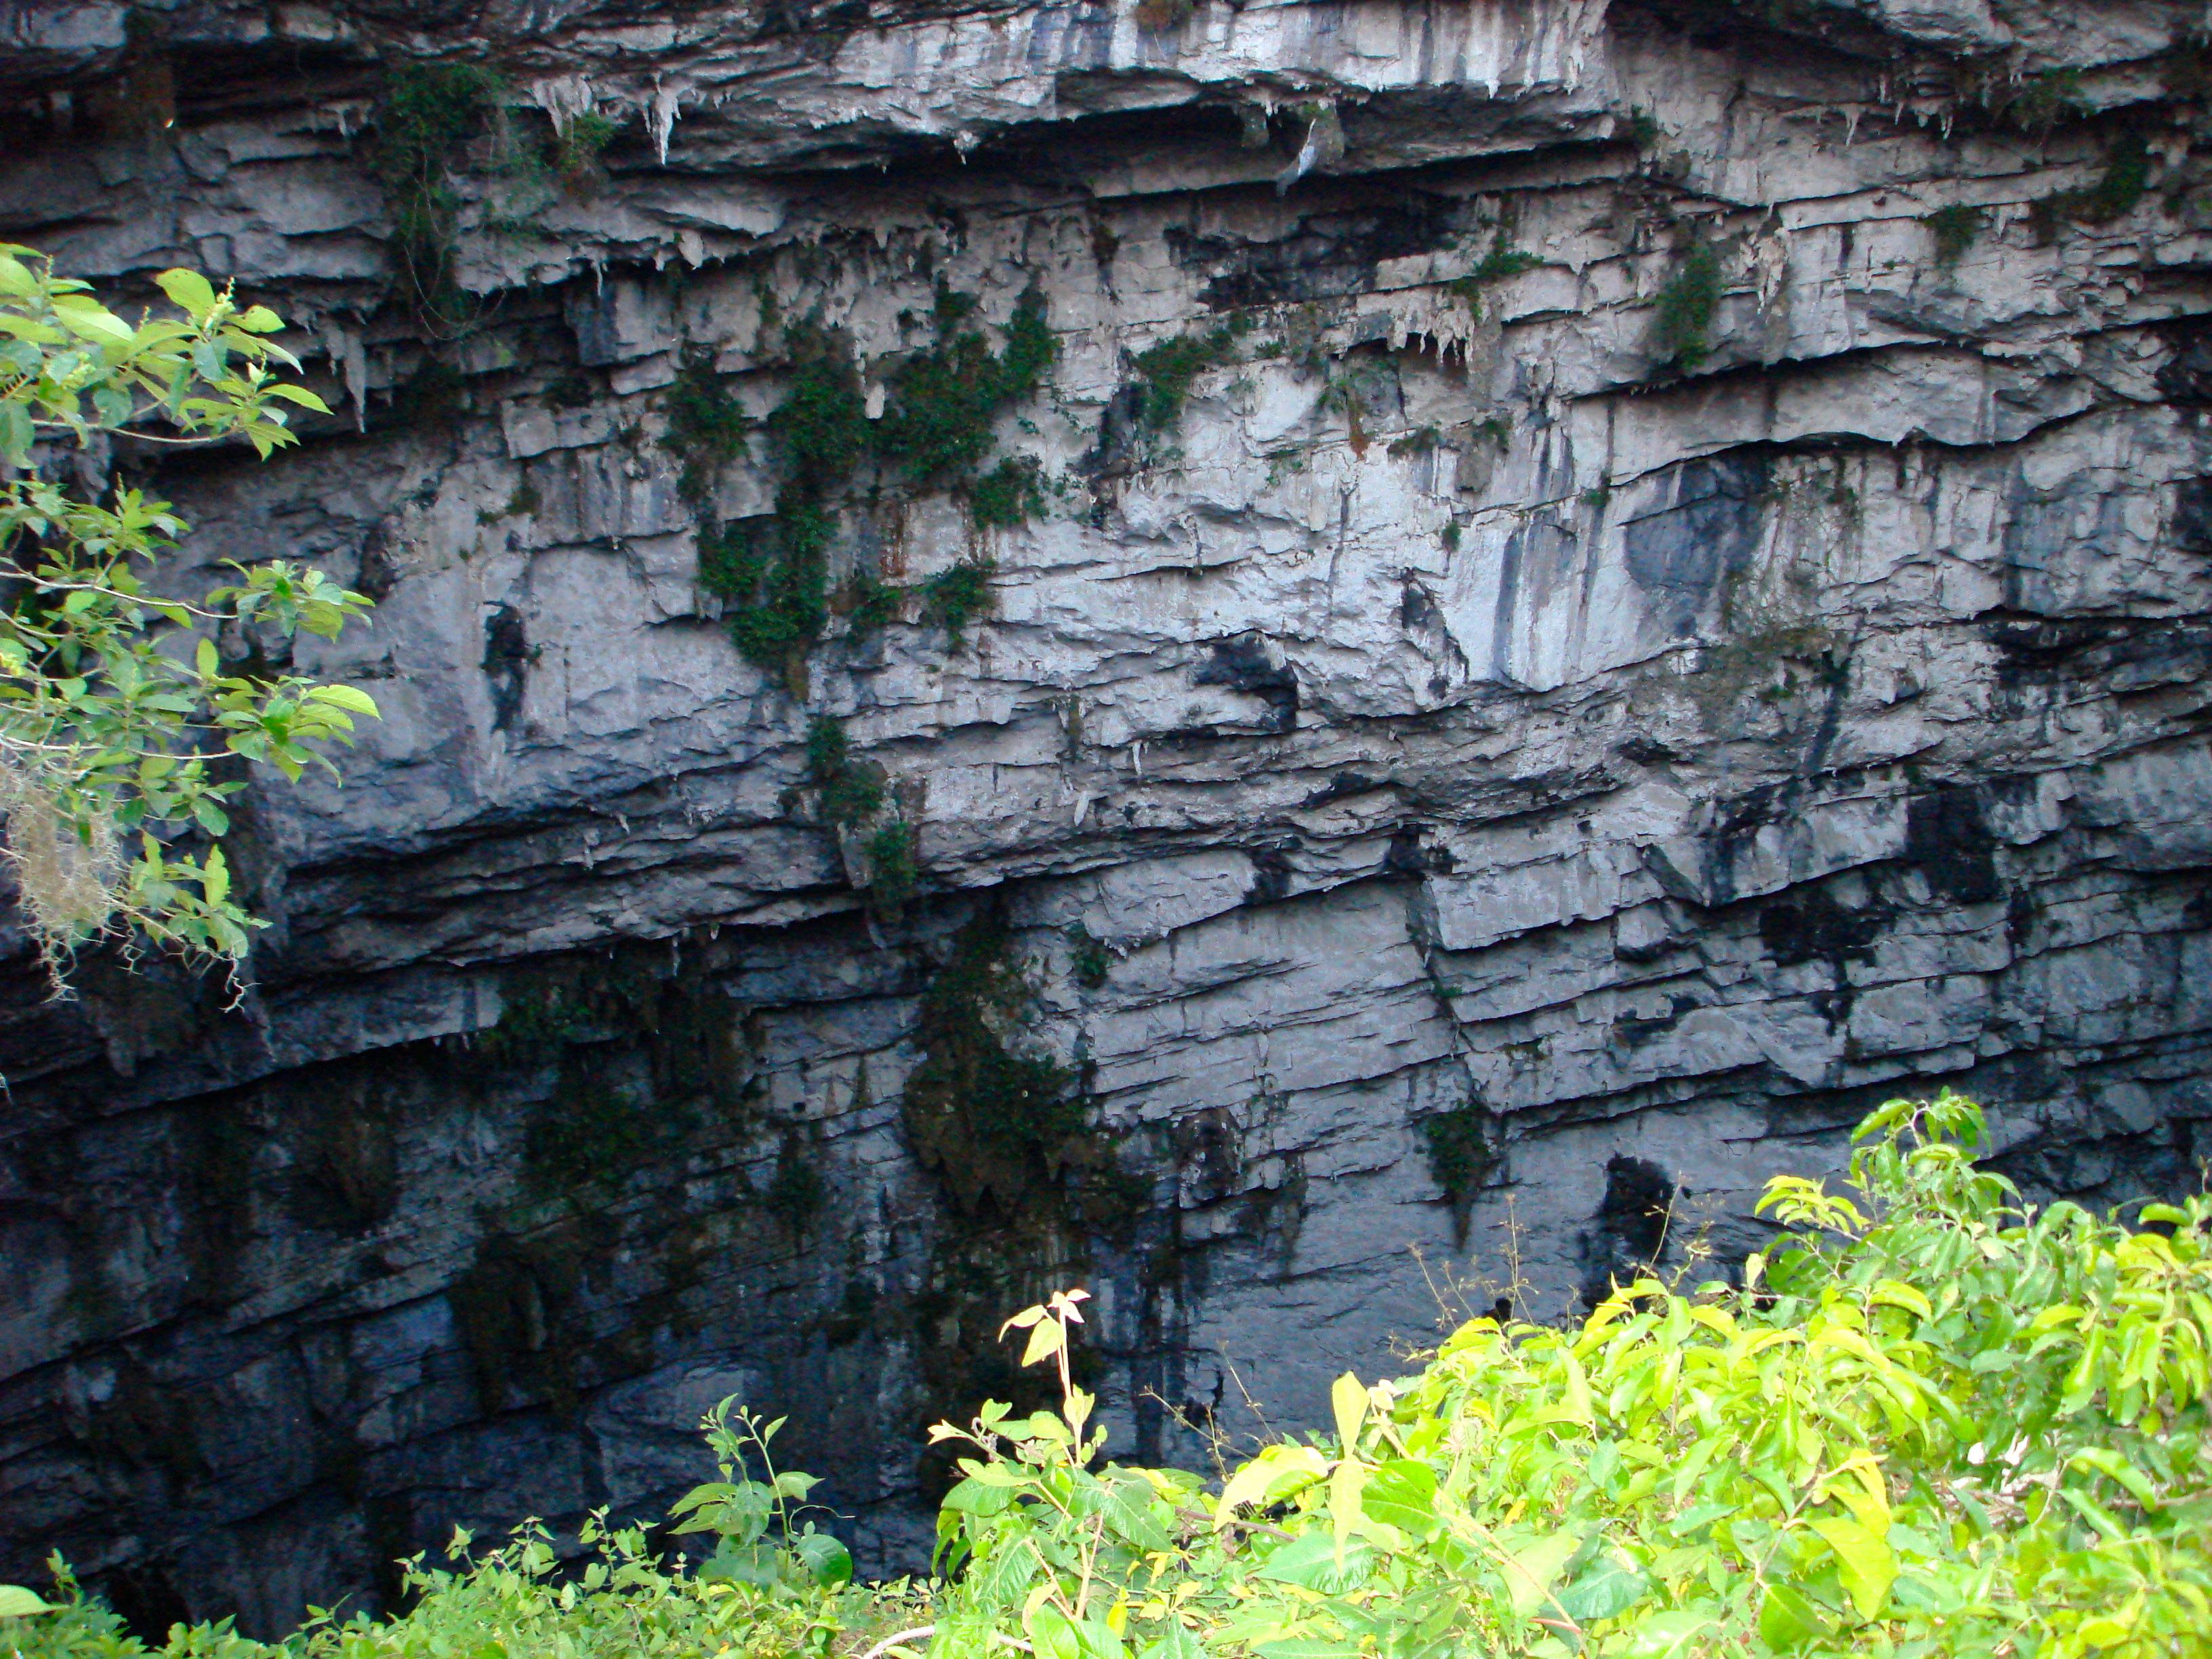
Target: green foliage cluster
[427, 113]
[706, 426]
[1930, 1421]
[2119, 190]
[1009, 495]
[994, 1121]
[1682, 320]
[852, 797]
[1504, 260]
[116, 701]
[938, 428]
[1089, 959]
[578, 143]
[1956, 228]
[1462, 1152]
[1166, 368]
[944, 402]
[957, 596]
[2044, 101]
[796, 1193]
[893, 867]
[850, 790]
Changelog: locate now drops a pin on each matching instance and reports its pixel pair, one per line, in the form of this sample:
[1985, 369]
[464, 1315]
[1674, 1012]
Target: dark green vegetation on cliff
[1929, 1421]
[938, 428]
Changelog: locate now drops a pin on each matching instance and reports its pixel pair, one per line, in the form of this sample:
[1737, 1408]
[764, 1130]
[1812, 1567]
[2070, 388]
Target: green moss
[894, 868]
[1089, 959]
[2126, 179]
[427, 115]
[1956, 228]
[1166, 368]
[957, 596]
[2046, 100]
[1007, 495]
[1502, 261]
[771, 575]
[588, 1137]
[1682, 321]
[1449, 537]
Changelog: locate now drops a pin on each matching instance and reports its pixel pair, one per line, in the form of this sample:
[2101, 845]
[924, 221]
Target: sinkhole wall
[1309, 663]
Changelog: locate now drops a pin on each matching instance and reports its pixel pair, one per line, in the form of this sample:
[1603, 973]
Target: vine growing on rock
[427, 115]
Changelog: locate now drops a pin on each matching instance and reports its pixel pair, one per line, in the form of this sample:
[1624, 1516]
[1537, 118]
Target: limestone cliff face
[1589, 591]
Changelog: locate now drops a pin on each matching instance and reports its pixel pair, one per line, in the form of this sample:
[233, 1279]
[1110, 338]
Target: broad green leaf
[1175, 1643]
[1401, 1493]
[1312, 1562]
[1868, 1566]
[1608, 1587]
[16, 1602]
[1278, 1471]
[1787, 1621]
[826, 1559]
[191, 291]
[1347, 1398]
[1308, 1647]
[1531, 1569]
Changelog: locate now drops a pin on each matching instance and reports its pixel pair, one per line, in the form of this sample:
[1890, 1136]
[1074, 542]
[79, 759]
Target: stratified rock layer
[1674, 606]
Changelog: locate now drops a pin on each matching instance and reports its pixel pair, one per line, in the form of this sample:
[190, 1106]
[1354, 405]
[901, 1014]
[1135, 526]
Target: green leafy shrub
[1166, 368]
[706, 425]
[117, 699]
[1088, 958]
[774, 577]
[578, 143]
[1682, 321]
[944, 402]
[2117, 192]
[1956, 228]
[957, 596]
[1009, 495]
[996, 1122]
[1504, 260]
[1929, 1421]
[851, 790]
[869, 603]
[894, 868]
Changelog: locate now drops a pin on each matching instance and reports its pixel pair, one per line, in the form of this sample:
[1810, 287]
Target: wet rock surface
[1660, 599]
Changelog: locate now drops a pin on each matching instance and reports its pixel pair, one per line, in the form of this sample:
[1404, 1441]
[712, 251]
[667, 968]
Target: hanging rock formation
[1313, 663]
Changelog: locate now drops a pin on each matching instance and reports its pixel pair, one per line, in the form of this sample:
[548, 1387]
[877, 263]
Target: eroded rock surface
[1671, 605]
